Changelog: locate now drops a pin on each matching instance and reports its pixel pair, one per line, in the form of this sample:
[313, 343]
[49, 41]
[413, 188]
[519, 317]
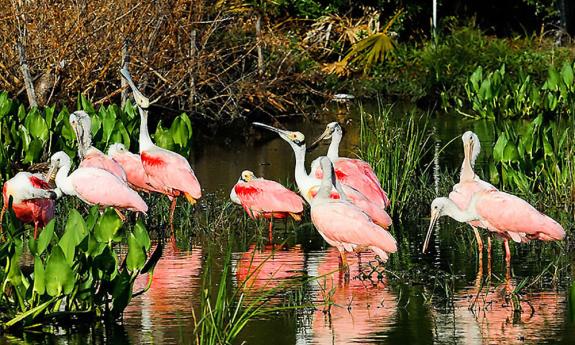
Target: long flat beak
[325, 135]
[141, 100]
[469, 151]
[434, 218]
[273, 129]
[51, 174]
[79, 138]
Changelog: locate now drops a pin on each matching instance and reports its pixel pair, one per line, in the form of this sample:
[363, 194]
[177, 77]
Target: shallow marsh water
[442, 297]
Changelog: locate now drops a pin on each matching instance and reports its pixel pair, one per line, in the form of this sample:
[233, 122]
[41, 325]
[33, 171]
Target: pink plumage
[264, 198]
[170, 173]
[94, 158]
[373, 210]
[513, 217]
[132, 165]
[346, 227]
[463, 192]
[360, 176]
[100, 187]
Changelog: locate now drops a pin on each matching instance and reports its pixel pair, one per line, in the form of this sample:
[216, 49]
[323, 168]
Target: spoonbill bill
[32, 199]
[132, 165]
[168, 172]
[469, 182]
[263, 198]
[345, 226]
[499, 212]
[89, 155]
[95, 186]
[352, 172]
[309, 185]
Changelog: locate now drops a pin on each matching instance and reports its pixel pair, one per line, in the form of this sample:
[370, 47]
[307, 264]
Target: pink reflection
[268, 268]
[361, 308]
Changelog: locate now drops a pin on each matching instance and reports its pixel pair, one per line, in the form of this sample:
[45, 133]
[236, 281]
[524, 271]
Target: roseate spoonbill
[309, 185]
[168, 172]
[345, 226]
[89, 155]
[502, 213]
[263, 198]
[32, 199]
[469, 182]
[95, 186]
[349, 171]
[132, 165]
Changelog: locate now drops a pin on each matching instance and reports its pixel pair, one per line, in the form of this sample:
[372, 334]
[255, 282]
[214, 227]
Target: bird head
[247, 176]
[82, 124]
[116, 149]
[58, 160]
[142, 101]
[437, 210]
[295, 139]
[333, 129]
[471, 146]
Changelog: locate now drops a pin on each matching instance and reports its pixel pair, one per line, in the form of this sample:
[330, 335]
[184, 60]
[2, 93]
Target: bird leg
[35, 230]
[478, 238]
[343, 265]
[507, 252]
[2, 218]
[270, 229]
[120, 214]
[172, 210]
[489, 256]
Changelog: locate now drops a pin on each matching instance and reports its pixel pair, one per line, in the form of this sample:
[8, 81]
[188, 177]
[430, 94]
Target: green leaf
[36, 125]
[107, 226]
[39, 283]
[136, 254]
[45, 237]
[121, 292]
[5, 104]
[74, 234]
[34, 151]
[87, 105]
[163, 137]
[499, 147]
[59, 275]
[179, 132]
[108, 124]
[142, 235]
[567, 74]
[106, 262]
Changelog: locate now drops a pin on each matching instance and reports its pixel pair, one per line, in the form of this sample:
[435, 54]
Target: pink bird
[351, 172]
[344, 225]
[168, 172]
[95, 186]
[263, 198]
[32, 199]
[469, 182]
[502, 213]
[309, 185]
[132, 165]
[89, 155]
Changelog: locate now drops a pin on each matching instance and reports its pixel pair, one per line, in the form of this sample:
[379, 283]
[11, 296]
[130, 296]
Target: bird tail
[190, 199]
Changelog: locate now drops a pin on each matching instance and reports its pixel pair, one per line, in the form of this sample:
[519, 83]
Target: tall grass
[396, 155]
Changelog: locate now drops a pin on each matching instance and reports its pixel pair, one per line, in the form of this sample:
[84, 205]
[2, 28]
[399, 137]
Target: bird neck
[333, 151]
[462, 216]
[302, 179]
[327, 182]
[145, 140]
[467, 173]
[62, 180]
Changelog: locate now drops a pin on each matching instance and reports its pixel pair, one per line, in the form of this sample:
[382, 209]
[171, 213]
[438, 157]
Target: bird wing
[344, 223]
[132, 165]
[170, 171]
[96, 159]
[268, 196]
[506, 212]
[100, 187]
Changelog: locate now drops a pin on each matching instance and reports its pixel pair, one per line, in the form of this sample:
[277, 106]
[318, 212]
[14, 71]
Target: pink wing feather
[170, 172]
[132, 165]
[100, 187]
[268, 196]
[96, 159]
[505, 212]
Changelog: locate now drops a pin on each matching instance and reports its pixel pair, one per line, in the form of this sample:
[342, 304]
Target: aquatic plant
[397, 161]
[79, 274]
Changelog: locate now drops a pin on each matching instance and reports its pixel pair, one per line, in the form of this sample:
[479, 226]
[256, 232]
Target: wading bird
[89, 155]
[502, 213]
[352, 172]
[168, 172]
[345, 226]
[470, 183]
[32, 199]
[309, 185]
[95, 186]
[132, 165]
[263, 198]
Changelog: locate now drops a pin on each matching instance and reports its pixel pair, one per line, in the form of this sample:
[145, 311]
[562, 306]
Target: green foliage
[79, 273]
[397, 162]
[502, 94]
[36, 133]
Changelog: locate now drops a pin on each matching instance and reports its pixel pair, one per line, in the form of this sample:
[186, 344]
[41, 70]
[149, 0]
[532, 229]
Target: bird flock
[347, 202]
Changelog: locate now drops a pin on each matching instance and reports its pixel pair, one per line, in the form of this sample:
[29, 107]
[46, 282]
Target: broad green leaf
[136, 254]
[142, 235]
[87, 105]
[163, 137]
[21, 112]
[108, 123]
[45, 237]
[499, 147]
[49, 115]
[567, 74]
[73, 235]
[121, 292]
[5, 104]
[36, 125]
[39, 283]
[106, 263]
[179, 132]
[553, 79]
[107, 226]
[59, 275]
[34, 151]
[510, 153]
[92, 218]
